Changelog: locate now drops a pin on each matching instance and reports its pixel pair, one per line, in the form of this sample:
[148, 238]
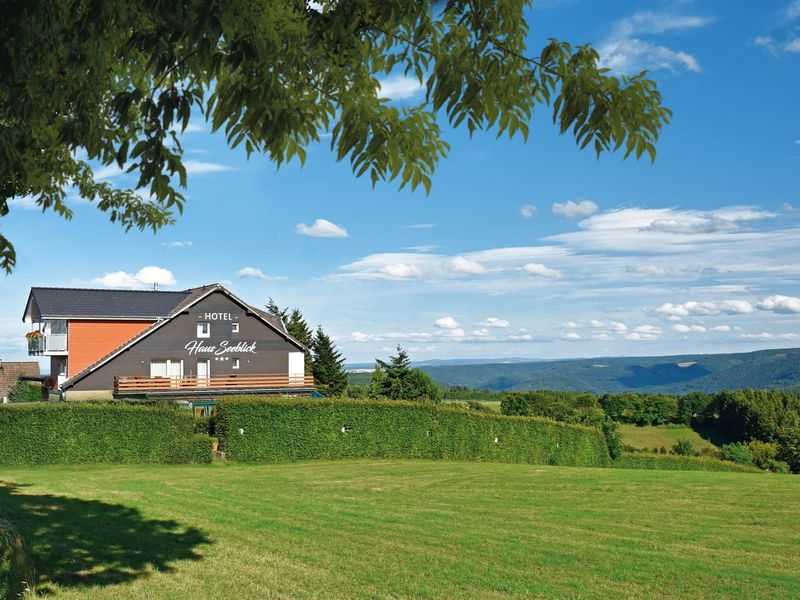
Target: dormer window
[203, 329]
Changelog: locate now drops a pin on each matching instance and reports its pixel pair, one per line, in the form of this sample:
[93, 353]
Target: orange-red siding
[87, 341]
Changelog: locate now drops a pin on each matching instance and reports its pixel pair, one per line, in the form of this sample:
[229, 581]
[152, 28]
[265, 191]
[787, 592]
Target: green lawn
[658, 436]
[374, 529]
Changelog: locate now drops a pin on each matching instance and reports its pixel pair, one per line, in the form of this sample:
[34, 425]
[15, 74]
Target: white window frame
[200, 332]
[235, 363]
[234, 327]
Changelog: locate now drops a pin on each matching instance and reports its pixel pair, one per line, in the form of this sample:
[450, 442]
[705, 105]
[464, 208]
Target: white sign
[217, 316]
[197, 347]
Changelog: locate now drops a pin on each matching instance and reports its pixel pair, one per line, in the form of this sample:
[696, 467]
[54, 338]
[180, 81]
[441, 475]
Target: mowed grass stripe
[447, 529]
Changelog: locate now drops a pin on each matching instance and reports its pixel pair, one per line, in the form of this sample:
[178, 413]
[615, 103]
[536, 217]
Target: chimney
[155, 286]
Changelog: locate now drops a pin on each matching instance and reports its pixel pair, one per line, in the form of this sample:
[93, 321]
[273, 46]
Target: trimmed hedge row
[674, 462]
[83, 432]
[252, 429]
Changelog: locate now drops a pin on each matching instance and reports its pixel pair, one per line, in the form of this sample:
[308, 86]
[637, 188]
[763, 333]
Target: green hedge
[674, 462]
[300, 428]
[84, 432]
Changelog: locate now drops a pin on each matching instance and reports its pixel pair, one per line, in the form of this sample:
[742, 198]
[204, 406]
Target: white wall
[296, 364]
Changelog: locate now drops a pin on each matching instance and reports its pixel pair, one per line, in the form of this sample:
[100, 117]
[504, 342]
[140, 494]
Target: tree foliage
[327, 365]
[296, 326]
[115, 82]
[397, 380]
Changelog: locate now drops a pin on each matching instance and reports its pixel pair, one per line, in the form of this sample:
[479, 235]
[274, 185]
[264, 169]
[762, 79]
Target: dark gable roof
[80, 303]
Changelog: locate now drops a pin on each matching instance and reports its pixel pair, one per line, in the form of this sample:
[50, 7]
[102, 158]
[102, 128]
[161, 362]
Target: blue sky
[529, 249]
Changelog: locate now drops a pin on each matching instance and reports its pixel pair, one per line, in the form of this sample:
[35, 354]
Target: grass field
[666, 436]
[366, 529]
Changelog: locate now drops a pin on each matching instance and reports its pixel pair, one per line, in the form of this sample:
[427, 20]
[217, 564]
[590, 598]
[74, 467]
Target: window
[234, 327]
[203, 329]
[235, 364]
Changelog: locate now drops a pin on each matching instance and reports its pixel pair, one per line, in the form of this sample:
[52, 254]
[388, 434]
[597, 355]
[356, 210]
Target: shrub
[776, 466]
[25, 391]
[476, 406]
[201, 448]
[684, 448]
[613, 437]
[267, 430]
[16, 573]
[710, 452]
[738, 453]
[763, 453]
[204, 425]
[674, 462]
[357, 391]
[85, 432]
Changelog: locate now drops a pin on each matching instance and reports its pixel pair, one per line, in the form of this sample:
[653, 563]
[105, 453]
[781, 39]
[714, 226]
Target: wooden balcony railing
[124, 385]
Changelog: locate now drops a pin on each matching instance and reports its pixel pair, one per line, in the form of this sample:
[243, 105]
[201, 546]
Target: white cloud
[693, 224]
[143, 278]
[571, 337]
[108, 172]
[652, 270]
[624, 51]
[26, 202]
[528, 211]
[197, 167]
[781, 304]
[322, 228]
[793, 10]
[764, 41]
[731, 307]
[447, 323]
[574, 210]
[539, 270]
[461, 264]
[721, 328]
[571, 324]
[792, 45]
[494, 323]
[401, 271]
[422, 248]
[740, 307]
[180, 244]
[648, 231]
[648, 330]
[757, 336]
[420, 226]
[400, 87]
[614, 326]
[255, 273]
[681, 328]
[640, 337]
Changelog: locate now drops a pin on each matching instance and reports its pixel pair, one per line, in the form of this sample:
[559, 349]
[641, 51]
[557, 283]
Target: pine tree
[327, 365]
[277, 311]
[396, 379]
[296, 326]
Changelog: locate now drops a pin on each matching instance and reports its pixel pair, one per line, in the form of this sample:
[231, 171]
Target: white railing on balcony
[55, 342]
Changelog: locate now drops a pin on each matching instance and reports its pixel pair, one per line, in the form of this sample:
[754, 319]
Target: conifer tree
[327, 365]
[396, 379]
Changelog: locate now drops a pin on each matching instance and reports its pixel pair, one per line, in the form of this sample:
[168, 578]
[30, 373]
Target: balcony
[213, 386]
[54, 343]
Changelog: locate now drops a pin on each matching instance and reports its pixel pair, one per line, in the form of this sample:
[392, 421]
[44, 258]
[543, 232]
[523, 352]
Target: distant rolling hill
[666, 374]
